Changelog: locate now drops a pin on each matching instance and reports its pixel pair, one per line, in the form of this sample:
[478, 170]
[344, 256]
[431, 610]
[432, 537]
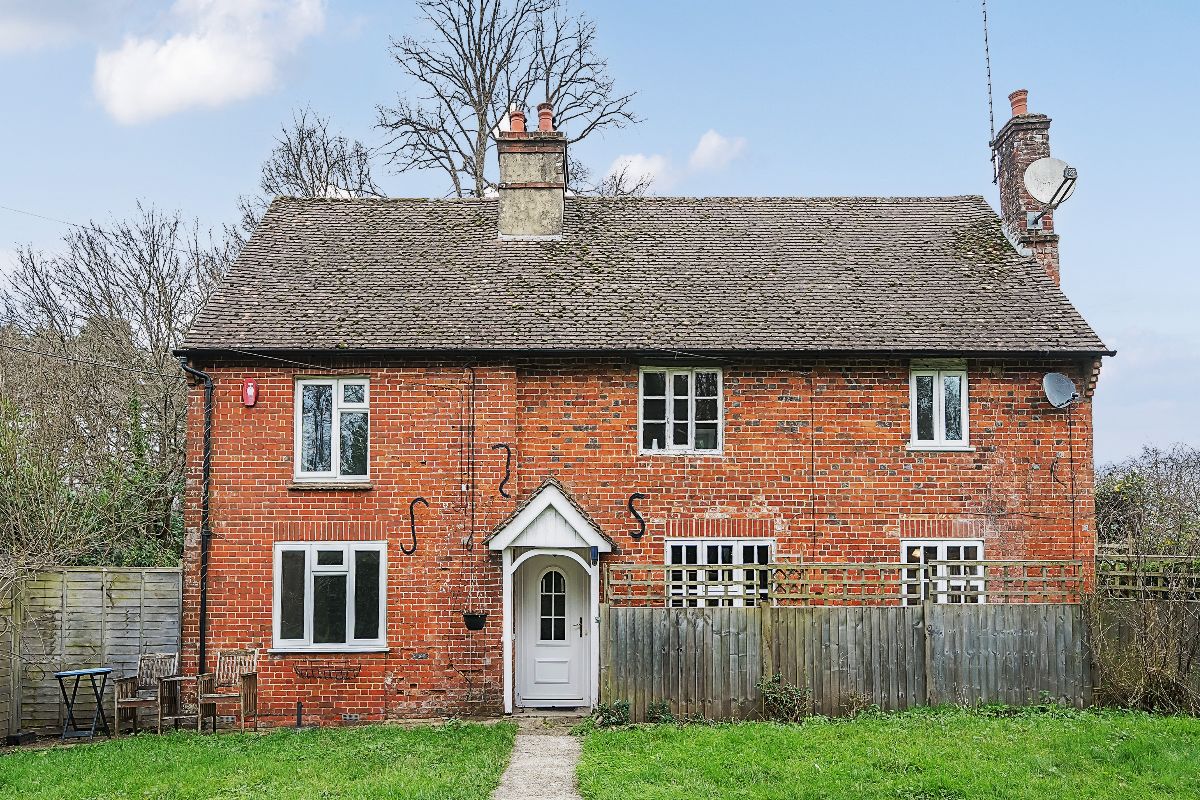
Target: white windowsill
[916, 447]
[706, 453]
[311, 651]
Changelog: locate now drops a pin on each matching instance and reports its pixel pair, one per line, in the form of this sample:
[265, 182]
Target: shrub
[659, 711]
[784, 701]
[612, 715]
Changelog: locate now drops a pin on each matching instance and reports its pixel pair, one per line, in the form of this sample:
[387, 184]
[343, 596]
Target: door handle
[579, 627]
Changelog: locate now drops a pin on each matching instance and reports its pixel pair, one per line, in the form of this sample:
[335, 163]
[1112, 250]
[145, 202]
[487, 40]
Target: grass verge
[923, 755]
[445, 762]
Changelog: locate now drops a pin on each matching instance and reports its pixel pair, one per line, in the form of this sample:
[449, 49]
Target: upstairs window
[680, 410]
[330, 595]
[332, 428]
[938, 403]
[717, 572]
[944, 571]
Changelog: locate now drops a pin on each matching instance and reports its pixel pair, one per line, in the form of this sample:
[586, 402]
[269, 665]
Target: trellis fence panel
[707, 662]
[76, 618]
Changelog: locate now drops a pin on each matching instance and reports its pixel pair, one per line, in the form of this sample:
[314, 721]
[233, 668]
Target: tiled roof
[777, 274]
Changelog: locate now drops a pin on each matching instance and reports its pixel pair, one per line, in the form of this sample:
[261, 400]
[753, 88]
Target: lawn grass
[929, 755]
[434, 762]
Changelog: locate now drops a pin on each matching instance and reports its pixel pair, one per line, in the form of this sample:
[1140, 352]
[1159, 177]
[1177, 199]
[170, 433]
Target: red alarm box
[249, 392]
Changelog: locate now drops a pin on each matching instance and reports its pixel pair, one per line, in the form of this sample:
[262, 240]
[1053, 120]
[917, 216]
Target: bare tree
[1146, 613]
[484, 56]
[92, 424]
[620, 182]
[1150, 504]
[309, 161]
[567, 73]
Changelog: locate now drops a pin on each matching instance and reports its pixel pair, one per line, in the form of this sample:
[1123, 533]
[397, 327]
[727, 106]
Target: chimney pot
[545, 117]
[1020, 102]
[516, 120]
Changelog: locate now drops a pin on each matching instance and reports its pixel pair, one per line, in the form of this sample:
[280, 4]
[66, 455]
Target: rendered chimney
[533, 177]
[1024, 139]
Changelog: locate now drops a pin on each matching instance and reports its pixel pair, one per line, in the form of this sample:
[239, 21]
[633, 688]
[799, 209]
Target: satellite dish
[1050, 181]
[1059, 389]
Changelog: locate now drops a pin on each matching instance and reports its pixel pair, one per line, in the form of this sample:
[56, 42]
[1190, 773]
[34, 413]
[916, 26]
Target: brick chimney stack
[533, 177]
[1024, 139]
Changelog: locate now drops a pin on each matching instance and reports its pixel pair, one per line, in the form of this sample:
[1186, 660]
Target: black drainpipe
[205, 530]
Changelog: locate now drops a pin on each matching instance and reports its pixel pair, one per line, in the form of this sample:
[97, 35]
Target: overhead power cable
[90, 362]
[123, 368]
[42, 216]
[277, 358]
[88, 227]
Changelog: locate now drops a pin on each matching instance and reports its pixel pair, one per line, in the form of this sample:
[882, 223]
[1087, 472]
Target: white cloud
[8, 261]
[19, 34]
[712, 152]
[222, 51]
[27, 26]
[715, 151]
[639, 165]
[1146, 394]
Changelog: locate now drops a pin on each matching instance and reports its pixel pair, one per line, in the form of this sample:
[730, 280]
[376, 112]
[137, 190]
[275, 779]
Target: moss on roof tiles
[764, 273]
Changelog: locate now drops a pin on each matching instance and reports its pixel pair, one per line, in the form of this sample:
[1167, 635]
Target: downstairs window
[720, 572]
[942, 582]
[330, 595]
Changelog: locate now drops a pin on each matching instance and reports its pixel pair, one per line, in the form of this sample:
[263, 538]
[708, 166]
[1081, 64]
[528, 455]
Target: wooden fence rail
[74, 618]
[707, 661]
[853, 583]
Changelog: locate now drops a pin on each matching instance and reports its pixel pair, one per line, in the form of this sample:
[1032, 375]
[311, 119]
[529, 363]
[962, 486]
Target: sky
[105, 104]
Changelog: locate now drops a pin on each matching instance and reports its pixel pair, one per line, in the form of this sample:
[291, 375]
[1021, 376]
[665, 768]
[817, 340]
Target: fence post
[1087, 611]
[605, 655]
[766, 631]
[927, 639]
[13, 723]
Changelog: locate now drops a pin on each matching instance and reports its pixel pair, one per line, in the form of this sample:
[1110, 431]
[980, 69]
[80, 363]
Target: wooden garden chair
[144, 690]
[235, 681]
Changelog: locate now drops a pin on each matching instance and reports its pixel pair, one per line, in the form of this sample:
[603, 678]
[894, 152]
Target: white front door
[552, 632]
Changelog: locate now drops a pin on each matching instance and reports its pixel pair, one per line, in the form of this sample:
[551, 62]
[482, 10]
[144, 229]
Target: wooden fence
[707, 661]
[75, 618]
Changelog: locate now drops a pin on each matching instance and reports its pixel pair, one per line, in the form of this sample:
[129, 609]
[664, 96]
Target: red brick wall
[815, 456]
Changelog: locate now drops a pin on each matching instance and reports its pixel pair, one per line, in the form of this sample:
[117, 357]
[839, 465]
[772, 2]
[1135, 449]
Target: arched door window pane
[553, 607]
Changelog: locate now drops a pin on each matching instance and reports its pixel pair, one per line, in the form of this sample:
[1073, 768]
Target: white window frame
[566, 640]
[727, 592]
[339, 405]
[939, 441]
[689, 448]
[311, 569]
[948, 583]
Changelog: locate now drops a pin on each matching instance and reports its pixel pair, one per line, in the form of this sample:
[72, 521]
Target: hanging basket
[474, 621]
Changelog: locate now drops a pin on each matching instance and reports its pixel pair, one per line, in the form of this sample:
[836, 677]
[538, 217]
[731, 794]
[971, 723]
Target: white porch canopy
[549, 520]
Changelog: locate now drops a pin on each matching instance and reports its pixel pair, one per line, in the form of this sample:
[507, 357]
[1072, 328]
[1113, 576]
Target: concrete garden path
[542, 766]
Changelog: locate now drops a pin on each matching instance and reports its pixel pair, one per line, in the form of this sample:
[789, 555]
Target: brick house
[428, 409]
